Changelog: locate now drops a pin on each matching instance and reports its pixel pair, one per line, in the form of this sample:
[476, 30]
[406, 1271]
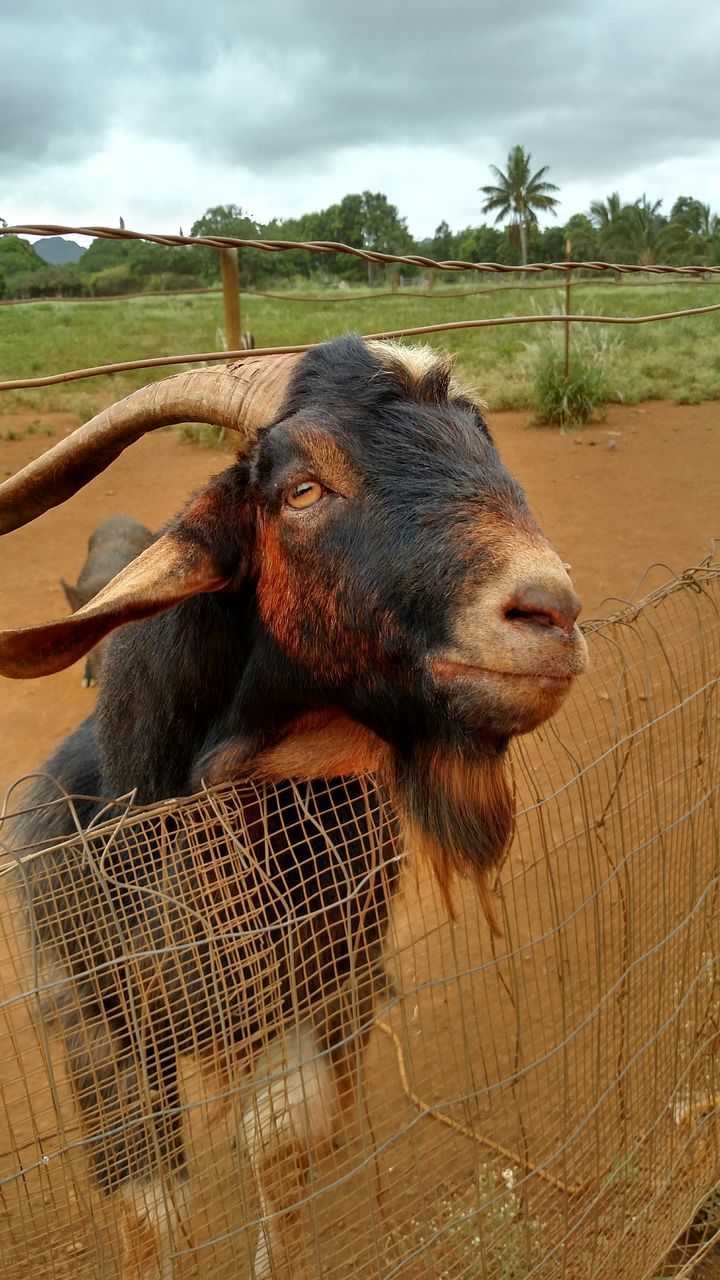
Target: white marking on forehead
[418, 360]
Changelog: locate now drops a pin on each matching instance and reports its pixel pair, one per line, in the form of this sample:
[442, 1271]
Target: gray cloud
[286, 85]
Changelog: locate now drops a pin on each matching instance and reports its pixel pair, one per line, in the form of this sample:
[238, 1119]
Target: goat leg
[288, 1124]
[151, 1215]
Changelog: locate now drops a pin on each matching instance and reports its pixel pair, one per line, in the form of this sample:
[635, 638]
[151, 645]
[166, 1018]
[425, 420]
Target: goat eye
[305, 494]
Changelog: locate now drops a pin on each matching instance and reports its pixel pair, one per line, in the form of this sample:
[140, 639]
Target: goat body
[365, 588]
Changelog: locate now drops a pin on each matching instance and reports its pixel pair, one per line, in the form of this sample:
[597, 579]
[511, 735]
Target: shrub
[569, 402]
[113, 281]
[202, 434]
[161, 281]
[17, 257]
[52, 281]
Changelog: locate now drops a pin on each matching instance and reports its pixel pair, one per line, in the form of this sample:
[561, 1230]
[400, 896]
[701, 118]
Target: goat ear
[205, 549]
[167, 573]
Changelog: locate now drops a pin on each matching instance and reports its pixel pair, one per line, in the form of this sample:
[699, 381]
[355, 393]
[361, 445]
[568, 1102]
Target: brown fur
[288, 603]
[329, 461]
[457, 812]
[318, 744]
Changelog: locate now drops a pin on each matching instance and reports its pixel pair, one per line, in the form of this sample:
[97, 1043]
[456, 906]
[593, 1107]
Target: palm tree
[696, 217]
[605, 215]
[697, 230]
[648, 238]
[638, 232]
[519, 194]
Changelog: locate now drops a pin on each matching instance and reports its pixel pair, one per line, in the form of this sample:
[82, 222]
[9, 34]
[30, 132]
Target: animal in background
[111, 547]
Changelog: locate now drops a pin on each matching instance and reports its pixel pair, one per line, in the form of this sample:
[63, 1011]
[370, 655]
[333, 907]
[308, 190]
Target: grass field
[676, 360]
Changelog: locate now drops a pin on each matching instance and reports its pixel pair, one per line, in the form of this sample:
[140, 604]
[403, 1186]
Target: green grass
[677, 360]
[481, 1232]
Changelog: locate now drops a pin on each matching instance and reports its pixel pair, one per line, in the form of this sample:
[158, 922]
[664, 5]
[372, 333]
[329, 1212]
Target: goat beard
[456, 809]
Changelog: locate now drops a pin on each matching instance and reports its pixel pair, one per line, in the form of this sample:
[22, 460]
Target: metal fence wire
[544, 1105]
[364, 254]
[527, 275]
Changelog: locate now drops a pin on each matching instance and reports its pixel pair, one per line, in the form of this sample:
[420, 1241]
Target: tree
[605, 216]
[17, 257]
[548, 245]
[641, 234]
[364, 221]
[519, 194]
[647, 236]
[382, 227]
[635, 232]
[227, 220]
[583, 237]
[443, 243]
[697, 230]
[479, 244]
[130, 266]
[53, 281]
[696, 217]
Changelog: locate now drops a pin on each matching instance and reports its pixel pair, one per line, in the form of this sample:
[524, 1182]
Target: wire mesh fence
[546, 1104]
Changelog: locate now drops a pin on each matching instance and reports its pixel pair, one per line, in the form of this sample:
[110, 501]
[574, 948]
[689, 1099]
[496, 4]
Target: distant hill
[56, 249]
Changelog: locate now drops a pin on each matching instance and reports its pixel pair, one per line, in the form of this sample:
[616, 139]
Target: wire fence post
[568, 273]
[230, 276]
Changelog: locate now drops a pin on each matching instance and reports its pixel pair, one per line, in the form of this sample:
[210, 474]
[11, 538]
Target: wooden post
[431, 280]
[230, 276]
[395, 281]
[568, 258]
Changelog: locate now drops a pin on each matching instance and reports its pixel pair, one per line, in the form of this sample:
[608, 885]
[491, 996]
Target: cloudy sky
[156, 110]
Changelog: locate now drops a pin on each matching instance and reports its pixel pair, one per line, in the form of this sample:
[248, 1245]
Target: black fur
[222, 668]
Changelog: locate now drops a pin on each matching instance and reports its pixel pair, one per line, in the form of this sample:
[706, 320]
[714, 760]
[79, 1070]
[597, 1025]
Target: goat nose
[542, 606]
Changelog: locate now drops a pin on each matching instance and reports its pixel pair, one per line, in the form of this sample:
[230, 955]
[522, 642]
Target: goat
[363, 590]
[111, 547]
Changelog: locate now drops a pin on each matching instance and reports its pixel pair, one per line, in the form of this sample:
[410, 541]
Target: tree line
[611, 230]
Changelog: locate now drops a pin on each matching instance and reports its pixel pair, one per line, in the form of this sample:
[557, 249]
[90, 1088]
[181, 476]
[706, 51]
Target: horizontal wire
[17, 384]
[122, 297]
[151, 363]
[367, 255]
[344, 296]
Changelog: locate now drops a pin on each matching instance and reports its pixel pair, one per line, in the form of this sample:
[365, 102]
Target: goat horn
[242, 396]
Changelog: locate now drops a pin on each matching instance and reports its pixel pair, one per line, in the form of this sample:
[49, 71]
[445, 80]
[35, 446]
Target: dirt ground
[641, 488]
[651, 498]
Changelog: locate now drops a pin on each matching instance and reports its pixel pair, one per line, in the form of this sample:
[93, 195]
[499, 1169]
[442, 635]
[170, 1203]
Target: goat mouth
[445, 669]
